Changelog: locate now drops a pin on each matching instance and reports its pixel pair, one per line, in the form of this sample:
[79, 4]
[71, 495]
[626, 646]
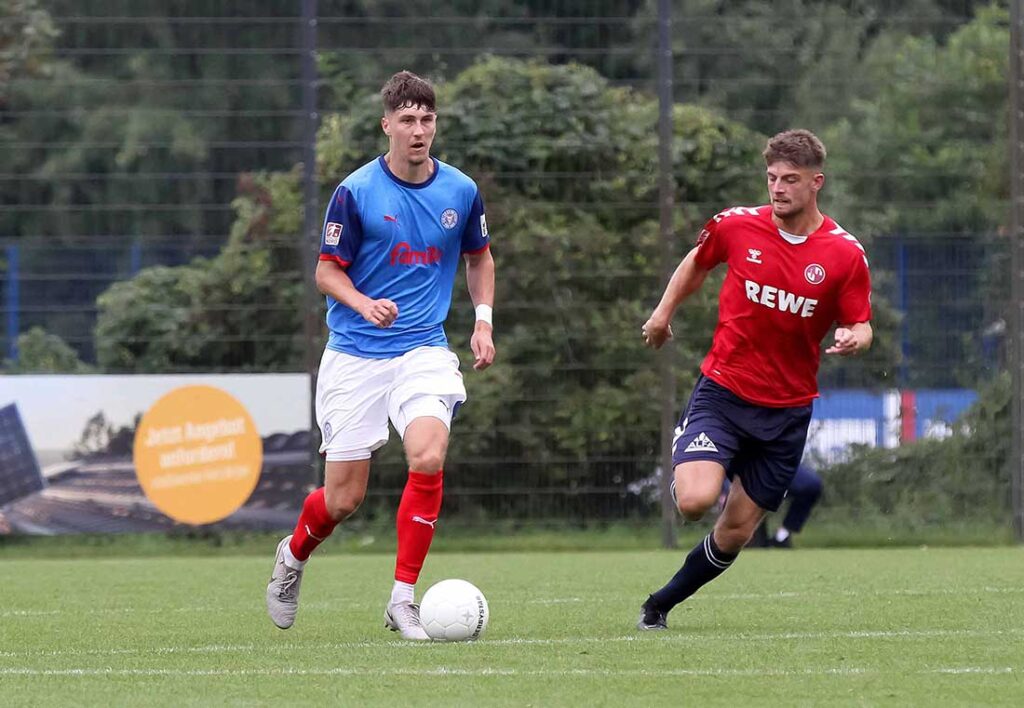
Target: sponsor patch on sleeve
[332, 233]
[483, 225]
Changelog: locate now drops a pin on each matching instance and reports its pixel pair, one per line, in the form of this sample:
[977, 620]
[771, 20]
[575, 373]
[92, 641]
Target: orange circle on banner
[197, 454]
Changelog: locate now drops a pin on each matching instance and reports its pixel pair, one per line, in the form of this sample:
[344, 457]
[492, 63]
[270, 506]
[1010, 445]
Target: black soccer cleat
[651, 617]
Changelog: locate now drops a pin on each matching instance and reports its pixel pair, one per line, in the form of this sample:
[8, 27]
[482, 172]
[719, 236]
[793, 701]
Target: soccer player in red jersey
[792, 273]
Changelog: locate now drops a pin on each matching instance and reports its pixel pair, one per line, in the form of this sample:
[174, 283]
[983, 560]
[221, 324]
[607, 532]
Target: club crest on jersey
[449, 218]
[815, 274]
[332, 233]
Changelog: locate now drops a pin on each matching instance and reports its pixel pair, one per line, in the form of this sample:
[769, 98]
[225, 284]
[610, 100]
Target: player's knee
[693, 507]
[732, 539]
[429, 460]
[732, 535]
[342, 503]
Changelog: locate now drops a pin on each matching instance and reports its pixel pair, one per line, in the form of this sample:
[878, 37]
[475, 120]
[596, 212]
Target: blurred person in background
[803, 493]
[392, 238]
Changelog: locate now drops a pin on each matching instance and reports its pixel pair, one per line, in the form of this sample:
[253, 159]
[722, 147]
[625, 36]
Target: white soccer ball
[454, 611]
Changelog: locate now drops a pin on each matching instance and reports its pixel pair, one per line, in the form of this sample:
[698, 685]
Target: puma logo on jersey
[779, 299]
[701, 443]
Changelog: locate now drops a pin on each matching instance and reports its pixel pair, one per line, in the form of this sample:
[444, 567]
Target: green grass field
[808, 627]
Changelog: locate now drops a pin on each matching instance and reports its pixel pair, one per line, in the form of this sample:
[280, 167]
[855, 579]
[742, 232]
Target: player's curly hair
[798, 147]
[407, 90]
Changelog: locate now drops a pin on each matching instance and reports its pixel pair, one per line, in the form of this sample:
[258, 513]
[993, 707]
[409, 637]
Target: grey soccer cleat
[652, 618]
[404, 617]
[283, 590]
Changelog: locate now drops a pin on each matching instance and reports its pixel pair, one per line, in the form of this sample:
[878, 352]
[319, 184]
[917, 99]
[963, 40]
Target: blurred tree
[236, 311]
[100, 438]
[26, 39]
[777, 65]
[41, 352]
[923, 157]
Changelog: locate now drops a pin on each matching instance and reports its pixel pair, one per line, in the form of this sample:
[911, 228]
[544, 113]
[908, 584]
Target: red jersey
[780, 298]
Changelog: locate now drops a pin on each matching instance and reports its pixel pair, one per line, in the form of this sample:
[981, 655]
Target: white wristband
[485, 313]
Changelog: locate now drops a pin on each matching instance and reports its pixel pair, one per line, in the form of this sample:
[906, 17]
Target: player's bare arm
[331, 279]
[480, 279]
[852, 339]
[686, 280]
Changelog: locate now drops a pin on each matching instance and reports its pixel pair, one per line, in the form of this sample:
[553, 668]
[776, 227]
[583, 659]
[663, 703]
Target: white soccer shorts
[356, 396]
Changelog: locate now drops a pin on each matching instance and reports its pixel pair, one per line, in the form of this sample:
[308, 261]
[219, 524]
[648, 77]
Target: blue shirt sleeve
[475, 238]
[343, 231]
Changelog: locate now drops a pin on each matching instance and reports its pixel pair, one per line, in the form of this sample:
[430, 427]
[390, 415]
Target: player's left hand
[482, 345]
[846, 343]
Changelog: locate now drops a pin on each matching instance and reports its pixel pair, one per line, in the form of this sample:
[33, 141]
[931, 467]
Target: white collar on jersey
[792, 238]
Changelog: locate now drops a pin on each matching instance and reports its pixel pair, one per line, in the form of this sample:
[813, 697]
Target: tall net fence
[152, 218]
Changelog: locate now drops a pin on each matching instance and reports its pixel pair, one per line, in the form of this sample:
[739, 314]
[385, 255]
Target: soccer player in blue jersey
[392, 239]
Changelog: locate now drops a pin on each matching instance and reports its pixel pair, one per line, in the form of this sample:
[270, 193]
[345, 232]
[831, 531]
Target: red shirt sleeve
[712, 246]
[855, 297]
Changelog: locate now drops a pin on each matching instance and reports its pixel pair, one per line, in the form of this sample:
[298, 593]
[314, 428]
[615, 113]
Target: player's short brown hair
[798, 147]
[407, 90]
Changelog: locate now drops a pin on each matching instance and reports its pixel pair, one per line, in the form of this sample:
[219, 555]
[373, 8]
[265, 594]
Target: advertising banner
[109, 454]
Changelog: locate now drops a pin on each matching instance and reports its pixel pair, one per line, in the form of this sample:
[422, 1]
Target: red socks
[314, 525]
[417, 513]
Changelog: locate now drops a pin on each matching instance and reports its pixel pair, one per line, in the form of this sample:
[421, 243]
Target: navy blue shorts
[762, 445]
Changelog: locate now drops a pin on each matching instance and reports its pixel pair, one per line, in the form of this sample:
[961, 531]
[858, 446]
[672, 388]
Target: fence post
[309, 243]
[903, 302]
[135, 258]
[665, 203]
[1016, 308]
[13, 298]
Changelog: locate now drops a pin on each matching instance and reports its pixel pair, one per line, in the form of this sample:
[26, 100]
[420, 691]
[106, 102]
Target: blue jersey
[400, 241]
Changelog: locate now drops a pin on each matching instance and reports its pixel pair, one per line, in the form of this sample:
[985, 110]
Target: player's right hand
[656, 332]
[380, 313]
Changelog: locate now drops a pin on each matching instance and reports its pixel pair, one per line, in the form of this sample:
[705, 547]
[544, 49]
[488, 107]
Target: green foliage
[234, 311]
[781, 64]
[26, 36]
[229, 312]
[140, 121]
[923, 156]
[930, 131]
[42, 352]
